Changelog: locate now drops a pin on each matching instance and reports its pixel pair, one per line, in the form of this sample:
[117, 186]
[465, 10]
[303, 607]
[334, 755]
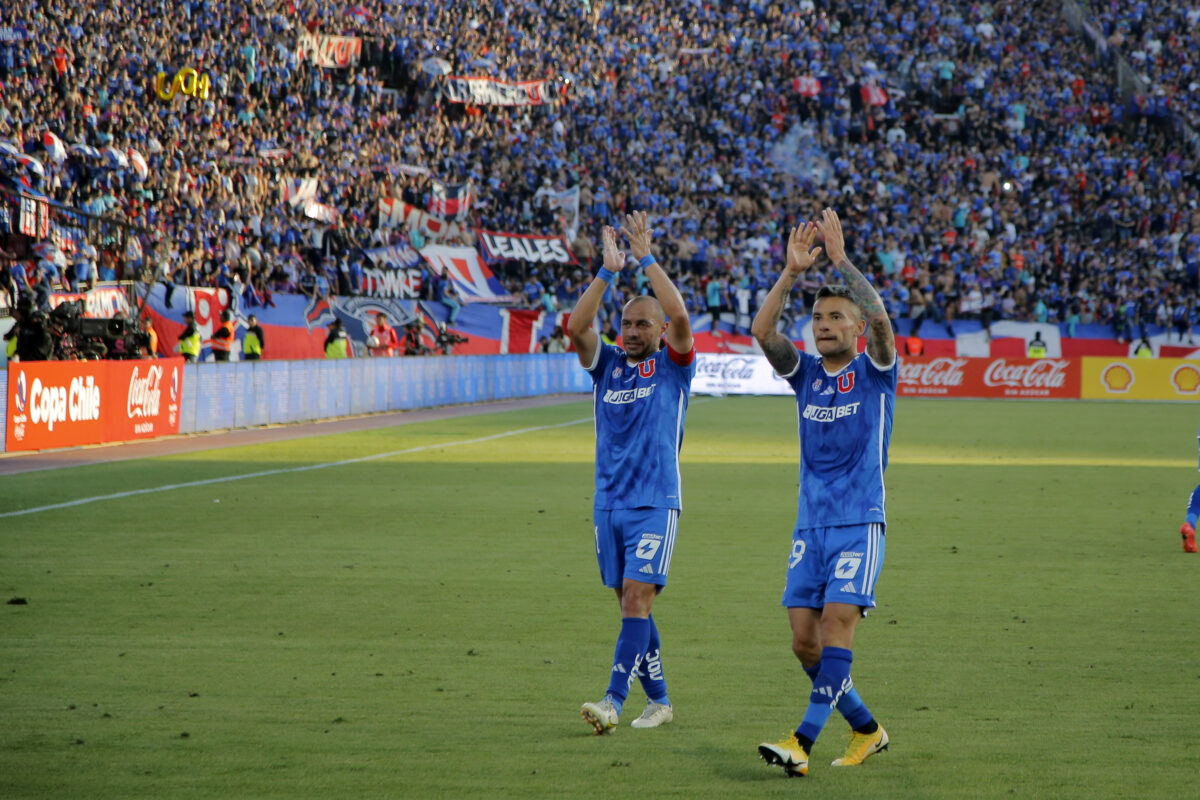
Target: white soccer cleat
[653, 715]
[601, 716]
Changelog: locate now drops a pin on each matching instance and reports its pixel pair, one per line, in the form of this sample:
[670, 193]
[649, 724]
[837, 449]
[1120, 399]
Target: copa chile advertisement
[70, 403]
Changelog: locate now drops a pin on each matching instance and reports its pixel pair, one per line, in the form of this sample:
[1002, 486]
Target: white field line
[227, 478]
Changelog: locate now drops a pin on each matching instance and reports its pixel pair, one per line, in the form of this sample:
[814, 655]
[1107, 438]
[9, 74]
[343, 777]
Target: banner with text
[491, 92]
[70, 403]
[99, 303]
[1056, 378]
[521, 247]
[329, 51]
[394, 272]
[743, 373]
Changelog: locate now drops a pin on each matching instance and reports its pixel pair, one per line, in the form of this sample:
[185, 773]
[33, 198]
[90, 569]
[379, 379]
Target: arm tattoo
[781, 354]
[861, 290]
[881, 344]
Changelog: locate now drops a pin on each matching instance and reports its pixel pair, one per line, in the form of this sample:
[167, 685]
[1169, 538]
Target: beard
[640, 351]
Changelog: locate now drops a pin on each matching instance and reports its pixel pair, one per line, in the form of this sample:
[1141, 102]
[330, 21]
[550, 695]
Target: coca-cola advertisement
[1057, 378]
[736, 373]
[71, 403]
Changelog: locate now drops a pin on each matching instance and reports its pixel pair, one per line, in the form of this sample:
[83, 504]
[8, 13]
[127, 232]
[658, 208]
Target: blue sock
[1193, 511]
[831, 683]
[651, 673]
[631, 649]
[850, 706]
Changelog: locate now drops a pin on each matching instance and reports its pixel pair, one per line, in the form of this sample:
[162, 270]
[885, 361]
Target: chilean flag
[806, 86]
[450, 202]
[872, 95]
[295, 191]
[54, 147]
[138, 162]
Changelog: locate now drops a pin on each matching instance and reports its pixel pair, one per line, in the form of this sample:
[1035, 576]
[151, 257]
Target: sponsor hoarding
[1056, 378]
[69, 403]
[729, 373]
[1141, 379]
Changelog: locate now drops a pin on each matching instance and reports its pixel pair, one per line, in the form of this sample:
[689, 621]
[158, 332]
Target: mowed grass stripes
[427, 624]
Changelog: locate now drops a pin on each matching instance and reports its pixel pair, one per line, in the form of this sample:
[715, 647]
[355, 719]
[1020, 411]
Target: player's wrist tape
[646, 261]
[605, 275]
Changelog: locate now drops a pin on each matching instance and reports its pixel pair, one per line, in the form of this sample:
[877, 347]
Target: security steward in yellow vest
[337, 343]
[1037, 347]
[223, 338]
[189, 340]
[253, 340]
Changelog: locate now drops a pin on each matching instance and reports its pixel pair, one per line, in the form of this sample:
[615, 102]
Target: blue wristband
[605, 275]
[647, 260]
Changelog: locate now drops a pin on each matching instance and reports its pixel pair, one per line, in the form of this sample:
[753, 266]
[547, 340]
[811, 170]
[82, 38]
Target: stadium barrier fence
[243, 394]
[134, 402]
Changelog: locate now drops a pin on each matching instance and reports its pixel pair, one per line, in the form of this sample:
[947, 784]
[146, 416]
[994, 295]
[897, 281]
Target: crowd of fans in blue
[987, 160]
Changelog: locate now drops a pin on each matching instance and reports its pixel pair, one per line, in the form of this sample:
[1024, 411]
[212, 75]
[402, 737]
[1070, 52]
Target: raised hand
[614, 259]
[831, 231]
[637, 232]
[800, 251]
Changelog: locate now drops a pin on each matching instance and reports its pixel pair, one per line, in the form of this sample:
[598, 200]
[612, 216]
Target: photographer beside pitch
[845, 404]
[640, 398]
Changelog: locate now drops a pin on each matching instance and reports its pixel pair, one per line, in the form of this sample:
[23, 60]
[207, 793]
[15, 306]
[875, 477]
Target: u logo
[646, 369]
[845, 382]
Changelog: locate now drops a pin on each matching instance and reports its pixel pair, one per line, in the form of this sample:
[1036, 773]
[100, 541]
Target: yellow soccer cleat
[862, 746]
[786, 753]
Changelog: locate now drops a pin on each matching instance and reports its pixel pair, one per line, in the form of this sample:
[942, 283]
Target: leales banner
[71, 403]
[525, 247]
[1057, 378]
[1141, 379]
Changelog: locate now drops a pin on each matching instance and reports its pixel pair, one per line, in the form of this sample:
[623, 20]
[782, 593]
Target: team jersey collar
[829, 374]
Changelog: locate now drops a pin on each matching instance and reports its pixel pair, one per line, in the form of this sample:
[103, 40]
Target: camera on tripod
[77, 336]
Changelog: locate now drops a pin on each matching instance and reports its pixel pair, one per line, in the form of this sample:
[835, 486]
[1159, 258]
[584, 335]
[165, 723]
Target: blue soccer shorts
[834, 565]
[635, 543]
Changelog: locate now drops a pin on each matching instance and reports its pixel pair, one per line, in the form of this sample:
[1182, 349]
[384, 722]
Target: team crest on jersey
[646, 368]
[845, 382]
[617, 371]
[816, 385]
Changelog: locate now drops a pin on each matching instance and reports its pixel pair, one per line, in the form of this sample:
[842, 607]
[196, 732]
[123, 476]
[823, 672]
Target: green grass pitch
[426, 624]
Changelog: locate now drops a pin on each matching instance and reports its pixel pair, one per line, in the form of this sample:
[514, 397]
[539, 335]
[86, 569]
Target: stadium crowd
[984, 159]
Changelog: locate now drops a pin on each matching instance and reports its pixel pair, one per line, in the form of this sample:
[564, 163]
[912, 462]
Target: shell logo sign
[1117, 378]
[1140, 379]
[1186, 379]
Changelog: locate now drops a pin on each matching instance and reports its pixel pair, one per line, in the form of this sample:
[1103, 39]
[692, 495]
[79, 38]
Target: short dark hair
[835, 291]
[842, 292]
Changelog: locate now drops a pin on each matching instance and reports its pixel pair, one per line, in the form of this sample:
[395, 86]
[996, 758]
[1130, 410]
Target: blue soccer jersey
[845, 426]
[639, 427]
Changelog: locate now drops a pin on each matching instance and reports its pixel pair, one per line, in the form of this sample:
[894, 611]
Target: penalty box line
[308, 467]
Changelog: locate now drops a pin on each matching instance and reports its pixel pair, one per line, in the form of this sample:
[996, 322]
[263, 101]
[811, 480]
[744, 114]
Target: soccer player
[1188, 529]
[640, 399]
[845, 401]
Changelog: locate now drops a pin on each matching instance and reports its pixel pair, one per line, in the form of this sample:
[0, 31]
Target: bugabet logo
[22, 392]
